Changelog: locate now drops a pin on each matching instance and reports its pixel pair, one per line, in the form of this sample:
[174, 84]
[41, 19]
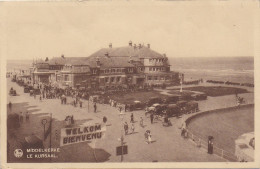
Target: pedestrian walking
[126, 107]
[120, 109]
[141, 122]
[27, 116]
[183, 130]
[151, 117]
[132, 128]
[126, 128]
[149, 137]
[75, 103]
[80, 103]
[132, 118]
[146, 137]
[10, 105]
[21, 117]
[95, 107]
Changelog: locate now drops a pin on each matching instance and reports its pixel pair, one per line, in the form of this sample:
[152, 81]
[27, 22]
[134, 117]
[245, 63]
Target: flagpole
[50, 134]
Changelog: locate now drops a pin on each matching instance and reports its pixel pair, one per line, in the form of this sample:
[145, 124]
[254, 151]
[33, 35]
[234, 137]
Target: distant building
[132, 65]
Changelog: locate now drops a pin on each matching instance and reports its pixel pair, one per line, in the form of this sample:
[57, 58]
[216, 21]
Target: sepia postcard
[129, 84]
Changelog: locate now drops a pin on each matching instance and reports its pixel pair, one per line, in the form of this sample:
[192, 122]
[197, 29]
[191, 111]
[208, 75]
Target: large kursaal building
[132, 65]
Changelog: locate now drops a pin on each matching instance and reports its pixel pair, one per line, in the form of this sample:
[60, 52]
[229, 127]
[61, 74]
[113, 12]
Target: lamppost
[121, 115]
[181, 76]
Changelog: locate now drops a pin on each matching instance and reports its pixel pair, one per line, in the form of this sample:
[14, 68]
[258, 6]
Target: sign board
[121, 150]
[81, 134]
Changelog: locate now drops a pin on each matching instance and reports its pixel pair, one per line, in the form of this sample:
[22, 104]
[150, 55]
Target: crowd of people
[48, 91]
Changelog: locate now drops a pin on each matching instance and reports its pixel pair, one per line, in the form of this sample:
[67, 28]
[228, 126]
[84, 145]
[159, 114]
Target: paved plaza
[167, 146]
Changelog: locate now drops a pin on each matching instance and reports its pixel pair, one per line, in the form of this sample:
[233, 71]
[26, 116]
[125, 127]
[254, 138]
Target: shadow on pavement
[79, 152]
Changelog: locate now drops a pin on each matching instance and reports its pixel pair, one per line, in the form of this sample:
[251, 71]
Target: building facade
[131, 65]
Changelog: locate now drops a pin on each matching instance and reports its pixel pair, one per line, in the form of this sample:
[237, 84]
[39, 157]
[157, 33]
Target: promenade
[168, 145]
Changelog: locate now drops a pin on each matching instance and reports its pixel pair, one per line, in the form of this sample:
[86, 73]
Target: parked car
[154, 100]
[192, 107]
[173, 110]
[27, 89]
[157, 108]
[136, 105]
[171, 99]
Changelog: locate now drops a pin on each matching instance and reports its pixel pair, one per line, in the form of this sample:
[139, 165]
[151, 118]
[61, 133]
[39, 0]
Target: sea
[234, 69]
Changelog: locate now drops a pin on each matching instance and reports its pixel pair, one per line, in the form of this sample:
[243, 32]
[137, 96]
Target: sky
[177, 28]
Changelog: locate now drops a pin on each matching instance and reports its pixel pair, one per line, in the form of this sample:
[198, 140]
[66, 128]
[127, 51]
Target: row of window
[156, 60]
[112, 79]
[118, 70]
[55, 67]
[157, 69]
[115, 70]
[158, 78]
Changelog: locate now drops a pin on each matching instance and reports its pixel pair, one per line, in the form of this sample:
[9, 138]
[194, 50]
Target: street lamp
[121, 115]
[181, 76]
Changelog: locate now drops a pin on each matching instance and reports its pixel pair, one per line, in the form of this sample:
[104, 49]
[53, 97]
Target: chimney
[130, 59]
[140, 46]
[130, 43]
[98, 62]
[110, 45]
[106, 54]
[47, 59]
[62, 56]
[148, 45]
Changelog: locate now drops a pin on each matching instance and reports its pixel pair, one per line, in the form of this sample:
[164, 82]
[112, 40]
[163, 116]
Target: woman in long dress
[149, 138]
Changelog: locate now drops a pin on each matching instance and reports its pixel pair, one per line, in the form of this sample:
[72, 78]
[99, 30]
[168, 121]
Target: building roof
[68, 60]
[106, 62]
[143, 52]
[117, 57]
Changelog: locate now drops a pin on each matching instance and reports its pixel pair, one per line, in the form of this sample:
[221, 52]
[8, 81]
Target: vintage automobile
[192, 107]
[27, 89]
[171, 99]
[136, 105]
[173, 110]
[154, 100]
[157, 109]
